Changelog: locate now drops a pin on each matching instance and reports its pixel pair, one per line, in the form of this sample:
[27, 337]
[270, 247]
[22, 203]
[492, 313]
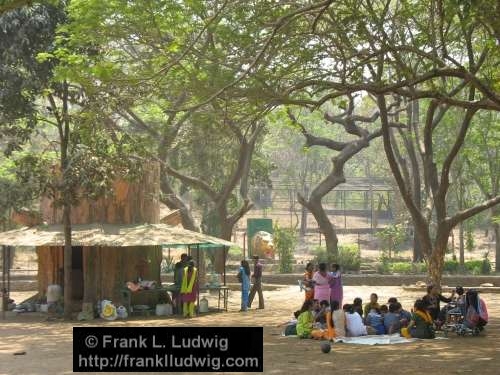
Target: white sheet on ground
[376, 339]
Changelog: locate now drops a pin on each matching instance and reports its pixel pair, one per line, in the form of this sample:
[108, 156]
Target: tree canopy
[206, 87]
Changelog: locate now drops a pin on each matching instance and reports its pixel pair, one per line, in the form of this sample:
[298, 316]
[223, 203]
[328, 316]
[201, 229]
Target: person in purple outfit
[336, 288]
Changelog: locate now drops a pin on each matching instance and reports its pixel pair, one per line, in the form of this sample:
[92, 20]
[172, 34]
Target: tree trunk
[436, 260]
[68, 274]
[303, 218]
[496, 228]
[221, 254]
[172, 201]
[461, 246]
[418, 255]
[326, 227]
[416, 182]
[461, 226]
[435, 266]
[68, 257]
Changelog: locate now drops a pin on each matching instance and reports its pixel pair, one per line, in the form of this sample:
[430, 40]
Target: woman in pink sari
[321, 280]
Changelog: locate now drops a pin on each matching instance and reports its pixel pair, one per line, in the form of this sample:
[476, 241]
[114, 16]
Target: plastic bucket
[203, 305]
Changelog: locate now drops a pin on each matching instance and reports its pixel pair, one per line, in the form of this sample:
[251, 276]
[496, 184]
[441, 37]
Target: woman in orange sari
[308, 282]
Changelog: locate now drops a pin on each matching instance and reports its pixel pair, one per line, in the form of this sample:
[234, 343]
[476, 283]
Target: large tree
[29, 31]
[58, 150]
[345, 150]
[394, 51]
[482, 161]
[172, 75]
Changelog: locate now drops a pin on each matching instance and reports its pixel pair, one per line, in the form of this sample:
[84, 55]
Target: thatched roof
[172, 218]
[115, 235]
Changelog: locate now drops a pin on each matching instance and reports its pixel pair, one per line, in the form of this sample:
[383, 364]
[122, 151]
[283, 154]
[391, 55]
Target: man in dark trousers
[257, 283]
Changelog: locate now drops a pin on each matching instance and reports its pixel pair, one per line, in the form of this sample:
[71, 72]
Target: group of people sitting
[467, 305]
[326, 318]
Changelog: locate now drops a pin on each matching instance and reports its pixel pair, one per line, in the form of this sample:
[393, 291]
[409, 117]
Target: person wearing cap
[257, 283]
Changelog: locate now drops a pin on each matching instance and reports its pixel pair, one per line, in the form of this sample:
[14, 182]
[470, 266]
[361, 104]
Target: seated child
[357, 305]
[354, 322]
[291, 325]
[404, 316]
[392, 300]
[320, 316]
[375, 322]
[373, 304]
[316, 308]
[421, 323]
[392, 321]
[383, 310]
[338, 317]
[305, 321]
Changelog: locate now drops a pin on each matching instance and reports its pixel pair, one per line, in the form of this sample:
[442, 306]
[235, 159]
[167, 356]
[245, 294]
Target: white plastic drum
[54, 293]
[203, 305]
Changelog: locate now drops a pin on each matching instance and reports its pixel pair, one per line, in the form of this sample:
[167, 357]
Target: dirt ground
[48, 345]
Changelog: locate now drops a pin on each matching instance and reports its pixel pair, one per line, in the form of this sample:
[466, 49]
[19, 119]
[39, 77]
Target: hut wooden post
[5, 298]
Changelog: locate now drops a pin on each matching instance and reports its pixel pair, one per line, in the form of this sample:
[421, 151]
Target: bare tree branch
[193, 181]
[465, 214]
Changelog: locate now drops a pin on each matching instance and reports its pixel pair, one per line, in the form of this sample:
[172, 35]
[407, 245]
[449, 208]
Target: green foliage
[401, 267]
[486, 264]
[235, 253]
[389, 266]
[479, 267]
[24, 32]
[22, 179]
[349, 257]
[285, 240]
[475, 267]
[391, 237]
[384, 267]
[451, 266]
[321, 256]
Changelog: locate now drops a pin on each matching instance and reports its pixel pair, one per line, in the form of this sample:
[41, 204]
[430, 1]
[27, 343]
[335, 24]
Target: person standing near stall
[189, 289]
[257, 283]
[244, 279]
[178, 273]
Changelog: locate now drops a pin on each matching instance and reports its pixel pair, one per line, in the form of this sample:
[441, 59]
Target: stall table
[223, 294]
